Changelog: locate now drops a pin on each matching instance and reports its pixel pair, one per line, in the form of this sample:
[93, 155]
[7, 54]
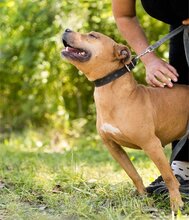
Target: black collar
[116, 74]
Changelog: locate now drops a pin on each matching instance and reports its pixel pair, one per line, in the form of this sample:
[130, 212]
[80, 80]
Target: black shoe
[156, 184]
[158, 187]
[184, 185]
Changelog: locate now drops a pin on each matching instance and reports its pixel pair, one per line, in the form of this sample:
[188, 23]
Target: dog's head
[93, 53]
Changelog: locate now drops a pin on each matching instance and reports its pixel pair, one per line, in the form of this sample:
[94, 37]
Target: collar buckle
[131, 65]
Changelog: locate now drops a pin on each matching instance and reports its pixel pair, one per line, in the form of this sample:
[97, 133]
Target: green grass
[44, 175]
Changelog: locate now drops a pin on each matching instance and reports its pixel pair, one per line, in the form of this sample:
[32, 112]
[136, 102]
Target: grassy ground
[44, 175]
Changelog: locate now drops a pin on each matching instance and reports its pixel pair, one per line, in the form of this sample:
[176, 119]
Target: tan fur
[133, 115]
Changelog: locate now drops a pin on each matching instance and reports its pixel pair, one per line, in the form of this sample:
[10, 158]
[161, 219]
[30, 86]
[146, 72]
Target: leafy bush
[36, 85]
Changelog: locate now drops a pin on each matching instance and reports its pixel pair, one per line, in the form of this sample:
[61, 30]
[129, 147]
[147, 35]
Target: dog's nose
[68, 30]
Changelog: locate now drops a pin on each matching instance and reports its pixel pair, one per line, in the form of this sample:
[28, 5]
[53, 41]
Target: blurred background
[52, 163]
[38, 89]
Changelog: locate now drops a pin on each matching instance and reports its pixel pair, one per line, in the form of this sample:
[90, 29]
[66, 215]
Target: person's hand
[159, 73]
[186, 21]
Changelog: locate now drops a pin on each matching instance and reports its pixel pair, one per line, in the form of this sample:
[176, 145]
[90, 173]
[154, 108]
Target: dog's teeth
[82, 53]
[66, 48]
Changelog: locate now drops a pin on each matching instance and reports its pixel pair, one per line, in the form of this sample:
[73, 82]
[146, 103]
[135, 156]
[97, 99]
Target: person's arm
[125, 16]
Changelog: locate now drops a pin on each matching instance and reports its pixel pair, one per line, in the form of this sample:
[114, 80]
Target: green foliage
[36, 85]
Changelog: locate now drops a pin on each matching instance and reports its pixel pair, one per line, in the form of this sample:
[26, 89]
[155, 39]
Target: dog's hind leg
[122, 158]
[154, 150]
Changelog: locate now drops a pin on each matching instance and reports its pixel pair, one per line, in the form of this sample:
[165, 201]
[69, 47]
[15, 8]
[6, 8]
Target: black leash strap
[179, 145]
[186, 42]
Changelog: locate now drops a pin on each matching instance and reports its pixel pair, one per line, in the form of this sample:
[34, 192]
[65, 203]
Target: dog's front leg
[122, 158]
[154, 150]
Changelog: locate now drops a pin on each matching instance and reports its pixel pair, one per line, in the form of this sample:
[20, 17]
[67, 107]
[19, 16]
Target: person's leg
[180, 165]
[178, 60]
[173, 12]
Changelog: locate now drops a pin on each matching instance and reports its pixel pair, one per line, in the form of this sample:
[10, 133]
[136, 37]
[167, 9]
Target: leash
[161, 41]
[179, 145]
[151, 48]
[186, 42]
[127, 68]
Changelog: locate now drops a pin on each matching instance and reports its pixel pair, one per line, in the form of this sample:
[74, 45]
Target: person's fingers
[163, 79]
[167, 74]
[153, 81]
[160, 73]
[173, 70]
[156, 82]
[186, 21]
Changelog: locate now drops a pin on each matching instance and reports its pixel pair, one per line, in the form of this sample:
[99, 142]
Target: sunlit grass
[45, 175]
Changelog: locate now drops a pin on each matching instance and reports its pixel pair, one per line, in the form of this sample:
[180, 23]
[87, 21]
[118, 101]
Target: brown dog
[129, 114]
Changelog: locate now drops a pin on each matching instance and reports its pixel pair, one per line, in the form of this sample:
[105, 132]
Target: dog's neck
[126, 81]
[97, 71]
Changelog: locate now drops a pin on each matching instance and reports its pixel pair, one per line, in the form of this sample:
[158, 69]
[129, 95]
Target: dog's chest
[109, 129]
[111, 132]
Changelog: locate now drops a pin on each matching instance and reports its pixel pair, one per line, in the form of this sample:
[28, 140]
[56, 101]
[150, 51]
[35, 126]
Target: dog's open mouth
[73, 53]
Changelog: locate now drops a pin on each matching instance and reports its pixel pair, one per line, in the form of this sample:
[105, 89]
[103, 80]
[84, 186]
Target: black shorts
[172, 12]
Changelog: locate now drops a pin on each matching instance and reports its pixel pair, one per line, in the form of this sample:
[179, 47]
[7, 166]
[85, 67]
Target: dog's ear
[122, 53]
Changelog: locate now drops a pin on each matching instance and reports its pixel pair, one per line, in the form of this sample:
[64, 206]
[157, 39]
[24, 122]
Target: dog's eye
[92, 35]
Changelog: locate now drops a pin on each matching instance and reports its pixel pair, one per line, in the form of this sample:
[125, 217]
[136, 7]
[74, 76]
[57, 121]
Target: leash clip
[127, 67]
[149, 49]
[131, 65]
